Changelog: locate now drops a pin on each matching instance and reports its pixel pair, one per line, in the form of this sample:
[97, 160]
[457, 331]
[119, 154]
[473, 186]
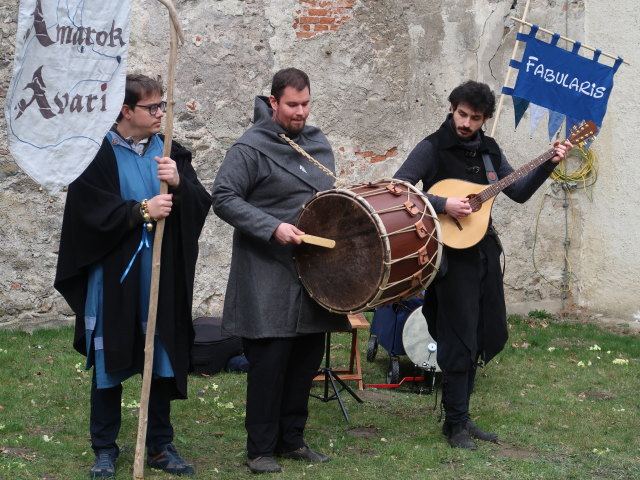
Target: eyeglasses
[153, 108]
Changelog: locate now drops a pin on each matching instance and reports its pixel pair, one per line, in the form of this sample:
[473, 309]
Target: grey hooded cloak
[263, 182]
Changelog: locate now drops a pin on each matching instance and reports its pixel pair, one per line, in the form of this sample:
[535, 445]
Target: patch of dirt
[361, 451]
[39, 430]
[576, 314]
[368, 431]
[507, 450]
[375, 395]
[595, 395]
[563, 342]
[22, 453]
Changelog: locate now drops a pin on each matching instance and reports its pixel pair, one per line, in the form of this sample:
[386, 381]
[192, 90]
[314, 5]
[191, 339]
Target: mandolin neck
[495, 188]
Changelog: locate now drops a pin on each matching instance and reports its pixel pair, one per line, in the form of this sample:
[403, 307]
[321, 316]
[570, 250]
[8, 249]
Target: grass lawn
[564, 398]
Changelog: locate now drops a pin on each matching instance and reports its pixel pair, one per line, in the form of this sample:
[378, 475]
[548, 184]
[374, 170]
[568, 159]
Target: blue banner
[562, 81]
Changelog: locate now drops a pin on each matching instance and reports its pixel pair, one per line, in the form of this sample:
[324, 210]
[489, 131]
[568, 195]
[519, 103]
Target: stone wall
[381, 71]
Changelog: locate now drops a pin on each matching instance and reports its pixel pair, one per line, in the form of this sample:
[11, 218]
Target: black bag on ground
[211, 348]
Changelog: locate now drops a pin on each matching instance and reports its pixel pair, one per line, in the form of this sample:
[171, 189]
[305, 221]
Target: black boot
[480, 434]
[458, 436]
[474, 432]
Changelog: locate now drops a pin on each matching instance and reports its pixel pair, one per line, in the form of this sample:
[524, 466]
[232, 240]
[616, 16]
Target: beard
[294, 130]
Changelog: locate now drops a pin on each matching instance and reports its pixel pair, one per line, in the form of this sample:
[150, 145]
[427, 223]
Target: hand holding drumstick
[287, 233]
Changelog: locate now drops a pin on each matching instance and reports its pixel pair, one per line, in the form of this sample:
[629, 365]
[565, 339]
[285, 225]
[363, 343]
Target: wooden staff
[494, 125]
[175, 31]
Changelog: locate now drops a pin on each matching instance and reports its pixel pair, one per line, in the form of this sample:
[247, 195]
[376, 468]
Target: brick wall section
[321, 16]
[374, 158]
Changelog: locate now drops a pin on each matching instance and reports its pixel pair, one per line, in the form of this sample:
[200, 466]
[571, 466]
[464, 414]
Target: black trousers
[466, 314]
[281, 371]
[105, 419]
[457, 388]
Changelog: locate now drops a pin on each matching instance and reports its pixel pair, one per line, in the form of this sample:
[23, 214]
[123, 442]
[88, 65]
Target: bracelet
[144, 211]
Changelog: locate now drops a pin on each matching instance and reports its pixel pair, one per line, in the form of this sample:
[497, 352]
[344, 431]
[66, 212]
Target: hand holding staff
[138, 465]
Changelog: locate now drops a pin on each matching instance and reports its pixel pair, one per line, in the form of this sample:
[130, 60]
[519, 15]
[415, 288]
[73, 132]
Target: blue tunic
[138, 180]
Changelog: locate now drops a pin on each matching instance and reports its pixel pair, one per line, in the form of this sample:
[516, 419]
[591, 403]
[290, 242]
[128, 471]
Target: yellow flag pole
[510, 69]
[567, 39]
[175, 31]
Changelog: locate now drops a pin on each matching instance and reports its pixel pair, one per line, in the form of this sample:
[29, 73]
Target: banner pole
[566, 39]
[494, 124]
[138, 465]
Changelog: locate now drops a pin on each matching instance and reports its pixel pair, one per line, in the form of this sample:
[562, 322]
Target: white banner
[68, 84]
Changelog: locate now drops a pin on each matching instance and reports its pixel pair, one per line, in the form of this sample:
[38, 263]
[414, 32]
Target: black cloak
[98, 227]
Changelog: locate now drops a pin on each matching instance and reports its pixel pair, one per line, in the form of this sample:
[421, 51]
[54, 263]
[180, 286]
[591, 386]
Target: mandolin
[466, 232]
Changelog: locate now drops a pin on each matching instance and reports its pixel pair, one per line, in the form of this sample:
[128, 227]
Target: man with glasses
[104, 271]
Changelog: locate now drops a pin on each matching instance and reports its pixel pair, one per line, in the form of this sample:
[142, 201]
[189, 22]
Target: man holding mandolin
[461, 168]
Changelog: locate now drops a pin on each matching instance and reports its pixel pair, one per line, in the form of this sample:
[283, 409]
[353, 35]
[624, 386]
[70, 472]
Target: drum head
[344, 278]
[418, 344]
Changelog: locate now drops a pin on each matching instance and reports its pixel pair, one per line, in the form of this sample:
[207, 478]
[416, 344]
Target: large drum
[388, 245]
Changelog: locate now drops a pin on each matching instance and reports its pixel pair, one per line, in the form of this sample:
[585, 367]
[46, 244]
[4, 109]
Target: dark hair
[139, 86]
[289, 77]
[478, 95]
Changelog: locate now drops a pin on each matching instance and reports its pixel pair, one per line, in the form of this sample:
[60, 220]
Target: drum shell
[374, 232]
